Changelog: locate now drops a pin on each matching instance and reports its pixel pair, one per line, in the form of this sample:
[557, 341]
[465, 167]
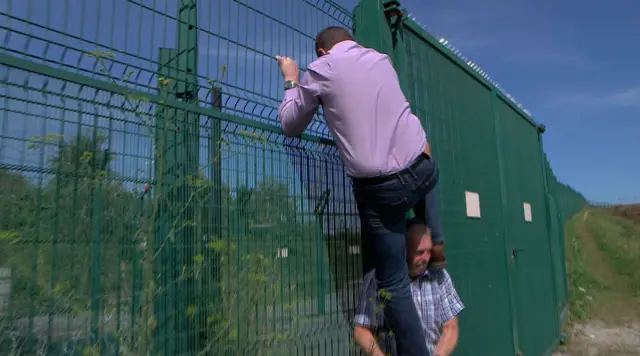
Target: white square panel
[527, 212]
[473, 204]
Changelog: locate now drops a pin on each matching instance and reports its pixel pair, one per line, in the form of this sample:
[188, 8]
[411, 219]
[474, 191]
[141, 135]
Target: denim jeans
[382, 203]
[427, 209]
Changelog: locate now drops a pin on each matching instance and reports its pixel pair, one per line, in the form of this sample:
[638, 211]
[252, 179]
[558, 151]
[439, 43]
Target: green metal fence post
[166, 178]
[96, 171]
[54, 249]
[370, 26]
[179, 162]
[208, 308]
[136, 265]
[395, 18]
[96, 264]
[215, 145]
[188, 92]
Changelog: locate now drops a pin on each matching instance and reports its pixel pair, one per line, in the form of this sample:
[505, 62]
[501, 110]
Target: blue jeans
[427, 209]
[382, 203]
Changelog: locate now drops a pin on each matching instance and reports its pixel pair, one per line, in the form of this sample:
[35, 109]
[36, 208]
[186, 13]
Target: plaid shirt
[435, 298]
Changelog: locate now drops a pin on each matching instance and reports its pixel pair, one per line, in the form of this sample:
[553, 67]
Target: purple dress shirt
[366, 111]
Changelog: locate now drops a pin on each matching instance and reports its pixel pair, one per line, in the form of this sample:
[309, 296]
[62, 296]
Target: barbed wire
[474, 66]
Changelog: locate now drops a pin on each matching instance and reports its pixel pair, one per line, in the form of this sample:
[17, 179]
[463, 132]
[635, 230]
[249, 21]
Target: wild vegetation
[603, 257]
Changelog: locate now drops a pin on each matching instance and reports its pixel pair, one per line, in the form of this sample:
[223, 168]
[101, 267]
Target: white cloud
[551, 57]
[622, 98]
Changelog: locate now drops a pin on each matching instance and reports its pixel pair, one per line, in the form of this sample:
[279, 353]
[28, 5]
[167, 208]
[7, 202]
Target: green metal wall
[149, 203]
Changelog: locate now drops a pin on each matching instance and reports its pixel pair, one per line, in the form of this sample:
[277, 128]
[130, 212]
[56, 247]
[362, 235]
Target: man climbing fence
[385, 152]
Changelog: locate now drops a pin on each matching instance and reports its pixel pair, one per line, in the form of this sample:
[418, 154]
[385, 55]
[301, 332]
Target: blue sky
[564, 61]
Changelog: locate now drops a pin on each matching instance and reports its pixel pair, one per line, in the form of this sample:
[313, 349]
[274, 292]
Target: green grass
[581, 282]
[619, 240]
[603, 257]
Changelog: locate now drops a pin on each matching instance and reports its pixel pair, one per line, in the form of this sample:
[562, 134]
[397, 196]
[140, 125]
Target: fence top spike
[442, 40]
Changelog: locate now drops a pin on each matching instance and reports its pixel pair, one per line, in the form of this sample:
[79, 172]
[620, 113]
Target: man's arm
[451, 307]
[300, 104]
[367, 341]
[449, 338]
[366, 317]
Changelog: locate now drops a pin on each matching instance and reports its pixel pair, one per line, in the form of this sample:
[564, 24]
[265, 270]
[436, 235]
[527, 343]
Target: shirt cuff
[362, 320]
[291, 94]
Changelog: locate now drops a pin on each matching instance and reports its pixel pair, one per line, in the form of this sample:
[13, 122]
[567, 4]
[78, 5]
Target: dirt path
[614, 328]
[598, 339]
[616, 306]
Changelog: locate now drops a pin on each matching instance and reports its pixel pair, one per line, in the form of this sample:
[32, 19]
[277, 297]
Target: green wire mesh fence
[149, 203]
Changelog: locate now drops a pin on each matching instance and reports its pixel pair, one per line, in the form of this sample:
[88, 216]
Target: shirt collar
[426, 275]
[343, 46]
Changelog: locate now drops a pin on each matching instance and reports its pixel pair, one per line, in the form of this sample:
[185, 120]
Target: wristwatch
[290, 84]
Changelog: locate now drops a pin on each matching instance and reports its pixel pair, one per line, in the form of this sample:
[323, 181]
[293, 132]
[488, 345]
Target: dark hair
[416, 225]
[331, 35]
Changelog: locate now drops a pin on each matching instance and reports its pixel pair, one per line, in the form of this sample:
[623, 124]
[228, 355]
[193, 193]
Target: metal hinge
[392, 8]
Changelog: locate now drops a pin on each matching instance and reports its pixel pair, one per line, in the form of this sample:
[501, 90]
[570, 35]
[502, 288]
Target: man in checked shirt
[434, 296]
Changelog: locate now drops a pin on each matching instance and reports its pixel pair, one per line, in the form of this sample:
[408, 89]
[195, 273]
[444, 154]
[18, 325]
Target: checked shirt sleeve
[451, 303]
[366, 310]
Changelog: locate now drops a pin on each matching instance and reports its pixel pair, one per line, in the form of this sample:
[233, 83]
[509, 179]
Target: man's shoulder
[444, 273]
[440, 275]
[446, 285]
[325, 63]
[320, 65]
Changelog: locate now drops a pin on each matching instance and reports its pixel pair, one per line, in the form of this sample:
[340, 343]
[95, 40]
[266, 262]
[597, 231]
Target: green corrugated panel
[535, 296]
[536, 319]
[457, 114]
[558, 238]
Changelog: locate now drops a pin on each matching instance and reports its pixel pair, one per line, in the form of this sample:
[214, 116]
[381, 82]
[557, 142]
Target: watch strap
[290, 84]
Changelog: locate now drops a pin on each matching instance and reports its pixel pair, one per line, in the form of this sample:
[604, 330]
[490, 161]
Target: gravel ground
[598, 339]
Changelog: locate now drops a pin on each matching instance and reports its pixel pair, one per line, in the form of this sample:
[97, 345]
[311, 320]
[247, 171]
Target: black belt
[388, 177]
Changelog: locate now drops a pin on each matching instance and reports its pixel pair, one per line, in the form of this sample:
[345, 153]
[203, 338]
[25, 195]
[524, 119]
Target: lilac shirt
[365, 109]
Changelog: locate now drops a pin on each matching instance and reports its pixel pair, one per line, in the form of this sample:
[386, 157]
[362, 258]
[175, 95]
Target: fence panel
[529, 231]
[567, 203]
[457, 114]
[156, 204]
